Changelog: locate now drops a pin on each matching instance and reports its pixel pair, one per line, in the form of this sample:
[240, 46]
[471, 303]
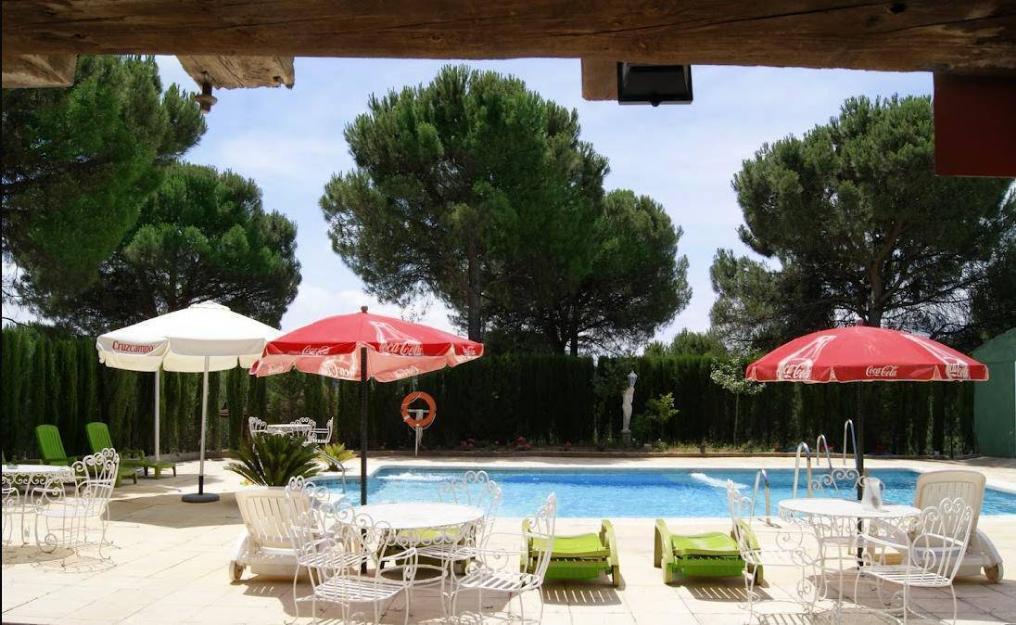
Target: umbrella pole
[363, 426]
[158, 374]
[201, 496]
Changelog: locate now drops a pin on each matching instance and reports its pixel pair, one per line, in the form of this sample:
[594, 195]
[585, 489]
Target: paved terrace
[169, 565]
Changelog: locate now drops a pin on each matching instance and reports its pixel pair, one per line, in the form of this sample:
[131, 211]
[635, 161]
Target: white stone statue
[626, 399]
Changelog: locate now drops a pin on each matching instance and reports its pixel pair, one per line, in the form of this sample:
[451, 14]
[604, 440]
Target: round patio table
[25, 486]
[288, 428]
[420, 515]
[837, 522]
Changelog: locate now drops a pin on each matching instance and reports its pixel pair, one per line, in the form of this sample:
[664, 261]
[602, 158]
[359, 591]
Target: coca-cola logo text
[885, 371]
[401, 349]
[310, 350]
[795, 371]
[131, 348]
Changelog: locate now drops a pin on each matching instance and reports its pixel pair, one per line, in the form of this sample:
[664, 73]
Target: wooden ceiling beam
[239, 72]
[905, 35]
[599, 79]
[35, 70]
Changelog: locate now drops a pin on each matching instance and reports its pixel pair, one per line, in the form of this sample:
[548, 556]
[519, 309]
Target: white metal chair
[765, 545]
[450, 545]
[65, 516]
[257, 426]
[491, 570]
[933, 487]
[931, 554]
[332, 544]
[11, 508]
[320, 436]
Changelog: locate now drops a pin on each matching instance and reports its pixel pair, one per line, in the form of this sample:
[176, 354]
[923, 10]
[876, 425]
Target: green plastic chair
[99, 439]
[713, 554]
[51, 447]
[580, 556]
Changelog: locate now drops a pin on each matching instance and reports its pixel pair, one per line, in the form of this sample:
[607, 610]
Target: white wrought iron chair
[765, 545]
[452, 545]
[65, 516]
[307, 503]
[332, 544]
[497, 571]
[930, 557]
[11, 508]
[320, 436]
[257, 426]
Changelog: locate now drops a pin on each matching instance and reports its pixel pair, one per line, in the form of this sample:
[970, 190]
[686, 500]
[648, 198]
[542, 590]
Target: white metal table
[25, 487]
[288, 428]
[837, 522]
[421, 515]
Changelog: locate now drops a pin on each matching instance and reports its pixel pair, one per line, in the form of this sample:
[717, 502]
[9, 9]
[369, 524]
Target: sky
[290, 142]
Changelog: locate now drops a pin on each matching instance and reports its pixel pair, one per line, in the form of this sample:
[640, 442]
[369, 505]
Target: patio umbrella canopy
[363, 346]
[201, 338]
[864, 354]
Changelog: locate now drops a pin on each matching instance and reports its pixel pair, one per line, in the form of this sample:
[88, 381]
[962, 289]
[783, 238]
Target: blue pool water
[615, 493]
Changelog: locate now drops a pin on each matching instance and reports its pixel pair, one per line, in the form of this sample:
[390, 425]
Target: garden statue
[626, 399]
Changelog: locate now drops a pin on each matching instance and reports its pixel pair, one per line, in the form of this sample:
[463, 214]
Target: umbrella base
[200, 497]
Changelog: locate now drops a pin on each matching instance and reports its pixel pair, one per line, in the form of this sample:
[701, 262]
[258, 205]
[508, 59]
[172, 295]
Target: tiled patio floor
[169, 566]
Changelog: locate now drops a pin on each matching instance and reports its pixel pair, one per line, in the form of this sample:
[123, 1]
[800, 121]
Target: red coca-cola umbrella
[864, 354]
[364, 346]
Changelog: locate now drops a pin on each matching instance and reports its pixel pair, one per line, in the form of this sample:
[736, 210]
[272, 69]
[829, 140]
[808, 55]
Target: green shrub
[334, 454]
[270, 460]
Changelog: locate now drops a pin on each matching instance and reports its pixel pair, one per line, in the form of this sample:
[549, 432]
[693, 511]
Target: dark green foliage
[269, 460]
[203, 235]
[688, 343]
[861, 227]
[479, 191]
[72, 155]
[546, 398]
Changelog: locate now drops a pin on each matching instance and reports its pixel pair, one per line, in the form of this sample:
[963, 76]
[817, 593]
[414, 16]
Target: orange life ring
[431, 410]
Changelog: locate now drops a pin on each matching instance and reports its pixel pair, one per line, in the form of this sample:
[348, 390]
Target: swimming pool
[615, 493]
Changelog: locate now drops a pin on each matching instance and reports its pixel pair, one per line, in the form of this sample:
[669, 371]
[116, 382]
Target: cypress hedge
[549, 399]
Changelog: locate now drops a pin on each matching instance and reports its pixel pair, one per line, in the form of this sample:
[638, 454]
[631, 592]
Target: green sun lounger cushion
[712, 554]
[579, 556]
[51, 447]
[710, 544]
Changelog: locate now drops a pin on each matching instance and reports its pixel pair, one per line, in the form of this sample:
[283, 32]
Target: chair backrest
[50, 445]
[541, 527]
[475, 488]
[934, 486]
[304, 421]
[97, 433]
[257, 426]
[267, 515]
[940, 537]
[95, 477]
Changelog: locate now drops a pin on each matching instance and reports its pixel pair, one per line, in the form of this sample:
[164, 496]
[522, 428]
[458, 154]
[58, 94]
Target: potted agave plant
[268, 462]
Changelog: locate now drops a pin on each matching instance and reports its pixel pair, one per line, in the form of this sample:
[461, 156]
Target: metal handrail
[797, 466]
[761, 478]
[820, 444]
[848, 425]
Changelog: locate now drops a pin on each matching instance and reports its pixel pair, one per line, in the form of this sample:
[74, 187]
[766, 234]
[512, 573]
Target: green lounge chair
[51, 447]
[99, 439]
[582, 556]
[713, 554]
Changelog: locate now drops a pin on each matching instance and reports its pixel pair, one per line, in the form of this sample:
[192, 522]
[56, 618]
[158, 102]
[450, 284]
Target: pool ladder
[761, 480]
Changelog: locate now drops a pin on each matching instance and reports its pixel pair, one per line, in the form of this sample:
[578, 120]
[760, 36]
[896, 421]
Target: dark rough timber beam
[238, 72]
[35, 70]
[907, 35]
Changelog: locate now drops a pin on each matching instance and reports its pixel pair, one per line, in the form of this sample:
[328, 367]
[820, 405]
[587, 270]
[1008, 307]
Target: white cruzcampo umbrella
[201, 338]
